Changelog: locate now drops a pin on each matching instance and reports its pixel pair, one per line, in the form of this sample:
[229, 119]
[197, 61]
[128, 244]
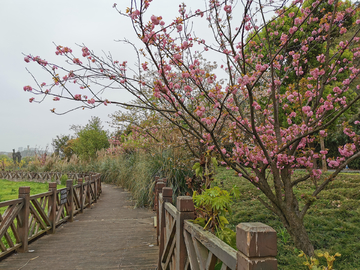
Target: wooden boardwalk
[110, 235]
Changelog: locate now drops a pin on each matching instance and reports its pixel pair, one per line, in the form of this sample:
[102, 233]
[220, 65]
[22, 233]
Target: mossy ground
[333, 221]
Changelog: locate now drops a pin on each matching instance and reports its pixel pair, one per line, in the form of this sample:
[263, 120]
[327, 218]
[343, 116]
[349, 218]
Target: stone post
[257, 247]
[185, 206]
[23, 226]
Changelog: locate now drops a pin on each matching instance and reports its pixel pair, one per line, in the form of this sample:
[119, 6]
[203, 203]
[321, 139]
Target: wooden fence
[40, 176]
[185, 245]
[28, 217]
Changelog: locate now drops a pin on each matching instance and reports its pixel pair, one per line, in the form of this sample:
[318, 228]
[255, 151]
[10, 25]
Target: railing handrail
[221, 250]
[185, 245]
[41, 176]
[42, 213]
[10, 202]
[171, 209]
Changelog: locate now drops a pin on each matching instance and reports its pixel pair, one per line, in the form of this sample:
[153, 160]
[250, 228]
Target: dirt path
[110, 235]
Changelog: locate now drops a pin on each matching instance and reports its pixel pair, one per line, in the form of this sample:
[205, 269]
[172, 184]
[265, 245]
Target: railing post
[159, 187]
[95, 187]
[155, 193]
[23, 226]
[88, 194]
[52, 206]
[70, 200]
[185, 206]
[167, 197]
[257, 246]
[80, 182]
[100, 187]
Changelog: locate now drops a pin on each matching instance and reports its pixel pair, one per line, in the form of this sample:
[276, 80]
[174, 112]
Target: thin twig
[28, 262]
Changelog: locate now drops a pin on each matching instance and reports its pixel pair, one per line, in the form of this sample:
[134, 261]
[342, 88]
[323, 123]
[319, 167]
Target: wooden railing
[28, 217]
[185, 245]
[40, 176]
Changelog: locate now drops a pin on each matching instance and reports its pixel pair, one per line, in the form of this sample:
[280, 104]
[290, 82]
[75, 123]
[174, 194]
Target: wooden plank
[44, 203]
[92, 194]
[2, 246]
[201, 252]
[221, 250]
[7, 236]
[9, 240]
[59, 213]
[37, 196]
[191, 251]
[169, 242]
[37, 216]
[37, 227]
[9, 217]
[32, 223]
[2, 254]
[12, 202]
[15, 232]
[211, 261]
[165, 265]
[76, 198]
[19, 221]
[41, 212]
[37, 235]
[171, 209]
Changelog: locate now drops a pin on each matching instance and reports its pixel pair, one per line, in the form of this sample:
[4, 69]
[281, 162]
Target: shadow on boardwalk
[111, 235]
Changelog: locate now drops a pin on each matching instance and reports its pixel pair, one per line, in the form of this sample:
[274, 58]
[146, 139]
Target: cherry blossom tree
[235, 109]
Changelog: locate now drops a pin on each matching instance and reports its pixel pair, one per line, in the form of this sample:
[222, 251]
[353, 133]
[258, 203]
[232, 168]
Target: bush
[63, 179]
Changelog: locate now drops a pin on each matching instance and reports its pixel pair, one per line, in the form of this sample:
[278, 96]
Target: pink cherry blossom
[27, 88]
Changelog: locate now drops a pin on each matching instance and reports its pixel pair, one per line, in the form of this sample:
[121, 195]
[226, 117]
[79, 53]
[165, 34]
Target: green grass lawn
[333, 221]
[9, 190]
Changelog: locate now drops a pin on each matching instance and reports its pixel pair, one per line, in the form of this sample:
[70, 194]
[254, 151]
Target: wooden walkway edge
[110, 235]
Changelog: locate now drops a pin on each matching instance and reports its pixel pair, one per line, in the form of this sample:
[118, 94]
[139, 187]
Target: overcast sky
[31, 27]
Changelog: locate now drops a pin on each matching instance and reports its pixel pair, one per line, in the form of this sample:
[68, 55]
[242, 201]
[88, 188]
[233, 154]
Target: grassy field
[9, 190]
[333, 221]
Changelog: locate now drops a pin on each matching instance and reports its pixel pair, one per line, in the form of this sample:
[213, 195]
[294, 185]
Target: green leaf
[200, 221]
[214, 162]
[196, 165]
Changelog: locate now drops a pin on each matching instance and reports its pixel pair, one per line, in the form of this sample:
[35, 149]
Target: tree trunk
[323, 161]
[301, 239]
[295, 227]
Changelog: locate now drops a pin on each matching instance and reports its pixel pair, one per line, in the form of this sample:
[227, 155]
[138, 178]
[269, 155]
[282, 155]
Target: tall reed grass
[136, 172]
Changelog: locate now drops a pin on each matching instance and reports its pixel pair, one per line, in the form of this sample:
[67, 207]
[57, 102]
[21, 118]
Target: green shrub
[63, 179]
